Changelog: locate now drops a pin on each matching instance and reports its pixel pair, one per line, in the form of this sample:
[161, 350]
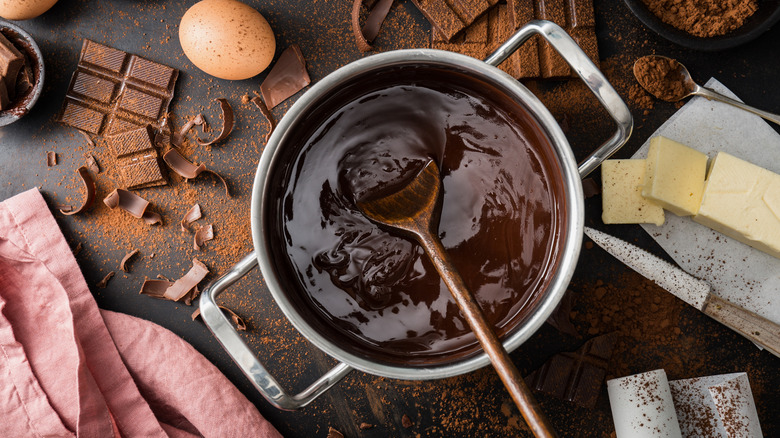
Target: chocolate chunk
[267, 114]
[113, 91]
[125, 259]
[450, 17]
[104, 282]
[203, 235]
[287, 77]
[365, 36]
[590, 187]
[133, 204]
[155, 288]
[191, 216]
[11, 62]
[536, 58]
[89, 188]
[560, 318]
[406, 421]
[188, 170]
[227, 123]
[137, 158]
[51, 159]
[576, 377]
[182, 286]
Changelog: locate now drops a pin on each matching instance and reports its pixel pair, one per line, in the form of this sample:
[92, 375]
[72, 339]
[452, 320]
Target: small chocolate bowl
[277, 157]
[767, 14]
[23, 103]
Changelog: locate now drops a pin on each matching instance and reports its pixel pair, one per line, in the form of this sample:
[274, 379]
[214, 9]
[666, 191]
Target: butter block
[742, 201]
[621, 194]
[675, 176]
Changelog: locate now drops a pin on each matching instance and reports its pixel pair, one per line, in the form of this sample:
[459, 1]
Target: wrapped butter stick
[642, 406]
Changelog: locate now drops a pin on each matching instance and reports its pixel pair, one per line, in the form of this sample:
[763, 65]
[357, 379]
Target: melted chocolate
[377, 294]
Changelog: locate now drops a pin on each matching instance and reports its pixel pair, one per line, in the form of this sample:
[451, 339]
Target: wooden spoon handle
[507, 371]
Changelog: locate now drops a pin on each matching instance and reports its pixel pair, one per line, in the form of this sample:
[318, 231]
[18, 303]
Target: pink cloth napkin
[68, 368]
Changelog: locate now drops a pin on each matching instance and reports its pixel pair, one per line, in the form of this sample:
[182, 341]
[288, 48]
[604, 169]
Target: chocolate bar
[536, 58]
[578, 376]
[113, 91]
[137, 159]
[450, 17]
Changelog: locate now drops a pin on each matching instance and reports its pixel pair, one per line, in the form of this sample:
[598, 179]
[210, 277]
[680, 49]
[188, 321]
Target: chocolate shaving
[188, 170]
[128, 256]
[133, 204]
[178, 138]
[191, 296]
[87, 137]
[162, 277]
[366, 426]
[365, 36]
[333, 433]
[51, 159]
[237, 320]
[92, 163]
[89, 186]
[227, 125]
[191, 216]
[155, 288]
[406, 421]
[203, 235]
[77, 249]
[287, 77]
[104, 282]
[182, 286]
[266, 113]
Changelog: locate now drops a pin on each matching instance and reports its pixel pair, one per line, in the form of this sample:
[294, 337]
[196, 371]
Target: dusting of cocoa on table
[703, 18]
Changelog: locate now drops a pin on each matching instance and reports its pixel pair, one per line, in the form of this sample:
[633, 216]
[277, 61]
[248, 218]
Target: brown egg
[227, 39]
[24, 9]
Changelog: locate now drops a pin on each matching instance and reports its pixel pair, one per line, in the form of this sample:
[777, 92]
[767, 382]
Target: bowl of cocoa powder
[707, 25]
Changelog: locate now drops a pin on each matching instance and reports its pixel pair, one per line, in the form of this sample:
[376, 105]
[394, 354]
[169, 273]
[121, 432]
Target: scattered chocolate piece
[104, 282]
[245, 98]
[133, 204]
[366, 426]
[365, 36]
[191, 279]
[576, 377]
[137, 158]
[448, 17]
[89, 186]
[287, 77]
[202, 235]
[92, 163]
[590, 187]
[227, 123]
[87, 137]
[11, 63]
[51, 159]
[188, 170]
[162, 277]
[560, 318]
[155, 288]
[267, 114]
[191, 216]
[406, 421]
[77, 249]
[237, 320]
[125, 259]
[191, 296]
[178, 138]
[333, 433]
[112, 91]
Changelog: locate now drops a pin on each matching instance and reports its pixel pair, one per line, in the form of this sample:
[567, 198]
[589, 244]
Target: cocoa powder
[662, 77]
[703, 18]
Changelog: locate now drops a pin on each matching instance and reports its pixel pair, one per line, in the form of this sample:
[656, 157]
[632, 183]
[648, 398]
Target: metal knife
[696, 292]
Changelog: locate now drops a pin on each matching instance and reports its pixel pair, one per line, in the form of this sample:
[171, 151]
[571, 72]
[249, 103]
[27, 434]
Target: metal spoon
[691, 88]
[414, 211]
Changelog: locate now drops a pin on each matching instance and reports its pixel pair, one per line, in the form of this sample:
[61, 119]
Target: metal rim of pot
[253, 368]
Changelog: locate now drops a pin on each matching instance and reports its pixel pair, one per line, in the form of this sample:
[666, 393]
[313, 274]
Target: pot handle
[253, 369]
[590, 74]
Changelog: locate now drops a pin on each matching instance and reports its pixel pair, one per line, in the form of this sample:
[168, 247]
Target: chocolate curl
[104, 282]
[155, 288]
[51, 159]
[182, 286]
[125, 259]
[92, 163]
[266, 113]
[87, 137]
[227, 125]
[237, 320]
[365, 36]
[191, 216]
[178, 138]
[203, 235]
[287, 77]
[133, 204]
[89, 186]
[188, 170]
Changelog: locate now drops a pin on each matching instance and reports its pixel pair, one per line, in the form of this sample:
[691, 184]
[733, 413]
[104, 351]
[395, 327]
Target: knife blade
[694, 291]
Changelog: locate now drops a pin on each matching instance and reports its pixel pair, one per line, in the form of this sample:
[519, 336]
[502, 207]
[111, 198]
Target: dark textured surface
[471, 405]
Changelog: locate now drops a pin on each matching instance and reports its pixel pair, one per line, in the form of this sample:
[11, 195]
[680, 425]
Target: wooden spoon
[414, 210]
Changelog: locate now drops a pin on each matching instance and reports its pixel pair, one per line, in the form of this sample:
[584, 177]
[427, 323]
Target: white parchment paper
[737, 272]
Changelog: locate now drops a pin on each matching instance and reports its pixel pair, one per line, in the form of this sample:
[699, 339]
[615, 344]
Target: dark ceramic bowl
[26, 45]
[768, 13]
